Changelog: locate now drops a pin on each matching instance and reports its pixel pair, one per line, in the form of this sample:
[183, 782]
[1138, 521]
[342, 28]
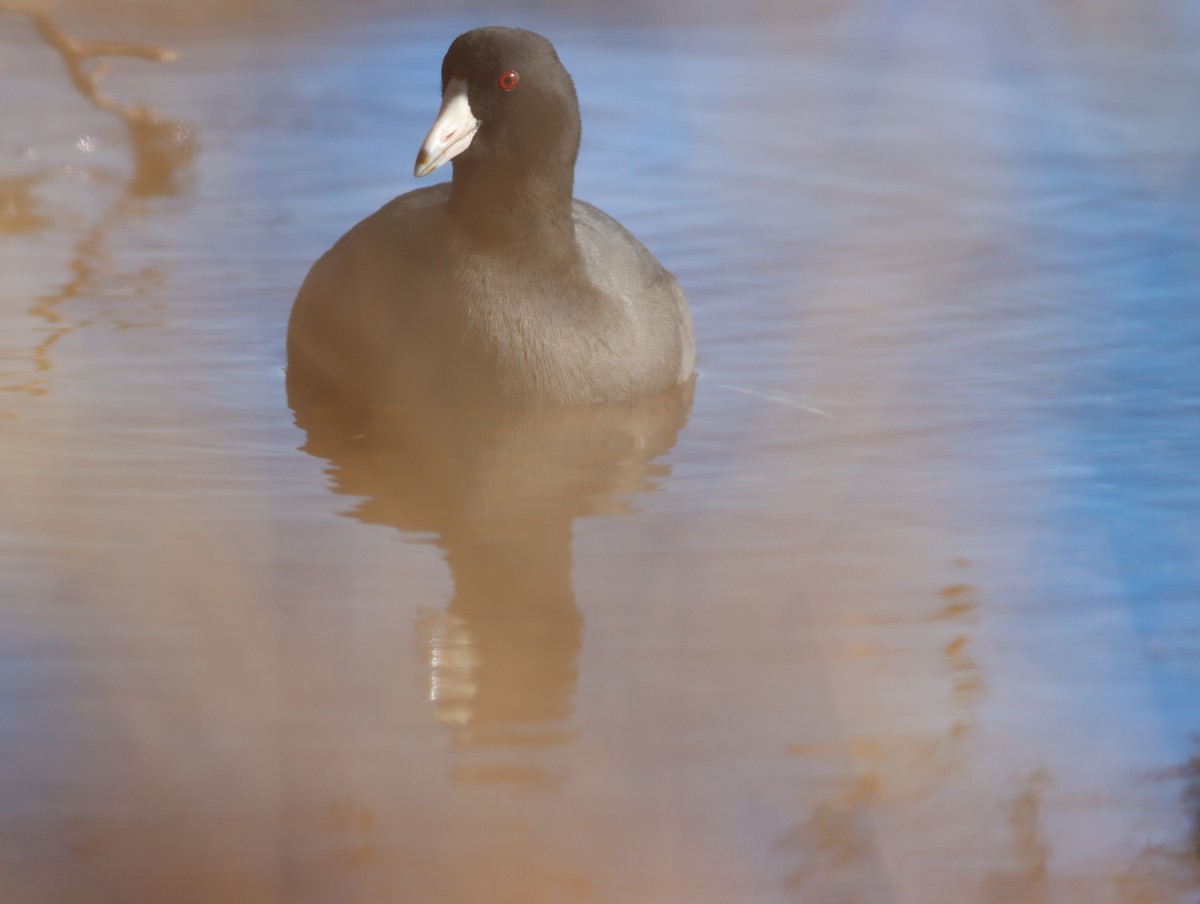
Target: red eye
[509, 80]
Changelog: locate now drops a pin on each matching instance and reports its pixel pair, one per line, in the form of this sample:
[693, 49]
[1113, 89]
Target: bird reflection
[499, 491]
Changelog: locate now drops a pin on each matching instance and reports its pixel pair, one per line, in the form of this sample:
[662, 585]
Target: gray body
[407, 305]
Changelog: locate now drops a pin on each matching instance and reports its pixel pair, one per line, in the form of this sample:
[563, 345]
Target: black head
[510, 122]
[521, 95]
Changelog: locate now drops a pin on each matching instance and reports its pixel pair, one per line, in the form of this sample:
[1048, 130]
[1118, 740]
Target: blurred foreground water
[901, 607]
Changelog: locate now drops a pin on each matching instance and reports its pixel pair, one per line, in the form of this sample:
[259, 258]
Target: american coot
[499, 284]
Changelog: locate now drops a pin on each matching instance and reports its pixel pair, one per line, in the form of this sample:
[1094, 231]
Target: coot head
[509, 121]
[507, 99]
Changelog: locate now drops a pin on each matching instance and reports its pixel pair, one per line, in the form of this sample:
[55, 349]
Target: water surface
[900, 606]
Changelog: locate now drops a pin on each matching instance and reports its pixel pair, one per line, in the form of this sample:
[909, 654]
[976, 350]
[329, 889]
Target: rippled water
[902, 606]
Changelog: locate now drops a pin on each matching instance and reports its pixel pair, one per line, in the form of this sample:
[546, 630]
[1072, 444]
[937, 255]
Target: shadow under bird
[498, 285]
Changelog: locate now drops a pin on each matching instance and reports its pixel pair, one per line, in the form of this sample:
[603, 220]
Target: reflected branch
[161, 147]
[162, 150]
[76, 55]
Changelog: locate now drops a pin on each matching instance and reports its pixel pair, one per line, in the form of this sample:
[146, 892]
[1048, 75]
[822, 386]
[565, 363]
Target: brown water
[901, 607]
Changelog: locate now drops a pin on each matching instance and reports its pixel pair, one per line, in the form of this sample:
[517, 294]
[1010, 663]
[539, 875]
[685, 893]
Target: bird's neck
[515, 209]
